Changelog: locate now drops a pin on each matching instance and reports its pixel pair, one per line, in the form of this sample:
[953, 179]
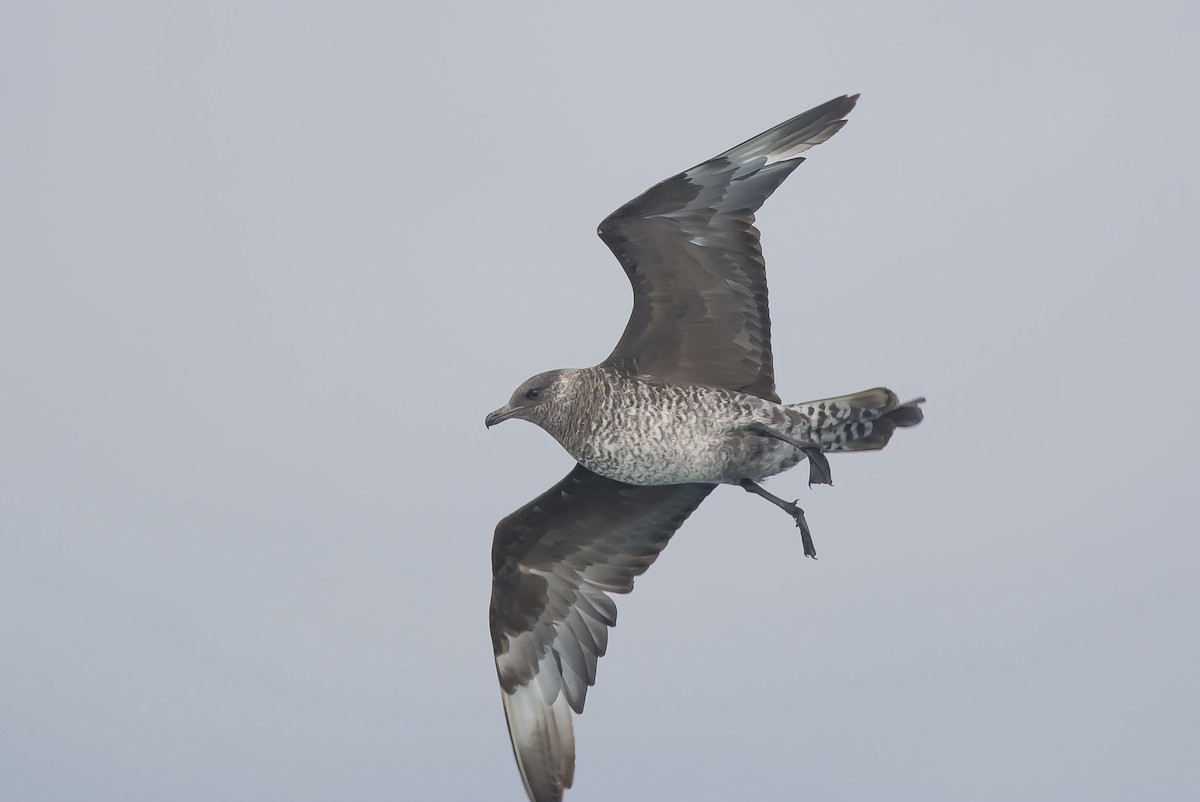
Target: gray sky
[265, 267]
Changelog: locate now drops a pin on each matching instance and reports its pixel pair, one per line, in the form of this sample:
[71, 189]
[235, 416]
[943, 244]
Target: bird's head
[538, 400]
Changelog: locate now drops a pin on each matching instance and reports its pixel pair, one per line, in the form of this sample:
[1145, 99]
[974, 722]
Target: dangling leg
[790, 508]
[818, 465]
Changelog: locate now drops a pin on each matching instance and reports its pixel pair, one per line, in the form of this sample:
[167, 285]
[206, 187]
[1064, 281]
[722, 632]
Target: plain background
[265, 267]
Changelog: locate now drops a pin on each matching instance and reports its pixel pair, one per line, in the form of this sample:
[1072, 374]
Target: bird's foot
[792, 508]
[819, 472]
[805, 533]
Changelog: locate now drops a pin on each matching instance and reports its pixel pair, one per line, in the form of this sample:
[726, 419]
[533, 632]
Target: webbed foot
[819, 472]
[792, 508]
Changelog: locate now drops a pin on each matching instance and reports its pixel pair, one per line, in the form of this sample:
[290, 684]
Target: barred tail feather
[859, 422]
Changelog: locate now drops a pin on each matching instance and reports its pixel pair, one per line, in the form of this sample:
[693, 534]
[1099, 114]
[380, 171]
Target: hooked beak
[502, 414]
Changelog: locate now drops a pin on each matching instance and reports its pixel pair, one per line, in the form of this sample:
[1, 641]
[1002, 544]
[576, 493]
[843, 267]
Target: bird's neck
[580, 407]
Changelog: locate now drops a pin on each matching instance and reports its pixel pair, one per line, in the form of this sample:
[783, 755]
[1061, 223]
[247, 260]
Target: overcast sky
[265, 267]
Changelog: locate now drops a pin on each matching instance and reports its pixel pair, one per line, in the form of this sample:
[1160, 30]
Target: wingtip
[845, 104]
[543, 741]
[848, 100]
[786, 141]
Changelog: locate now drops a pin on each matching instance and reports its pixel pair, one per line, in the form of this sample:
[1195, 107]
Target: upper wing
[691, 251]
[554, 562]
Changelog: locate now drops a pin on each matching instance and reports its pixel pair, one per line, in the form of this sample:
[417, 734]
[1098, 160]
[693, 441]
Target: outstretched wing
[554, 563]
[692, 254]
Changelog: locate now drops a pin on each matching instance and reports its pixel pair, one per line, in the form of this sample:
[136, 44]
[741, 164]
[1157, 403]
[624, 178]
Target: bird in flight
[685, 402]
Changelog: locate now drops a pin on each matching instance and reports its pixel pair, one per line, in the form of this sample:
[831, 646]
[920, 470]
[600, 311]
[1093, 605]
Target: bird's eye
[533, 393]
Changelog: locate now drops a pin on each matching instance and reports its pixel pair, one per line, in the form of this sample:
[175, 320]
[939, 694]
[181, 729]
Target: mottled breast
[646, 432]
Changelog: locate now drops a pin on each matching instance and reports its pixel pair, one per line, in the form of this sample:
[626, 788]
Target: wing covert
[554, 563]
[692, 254]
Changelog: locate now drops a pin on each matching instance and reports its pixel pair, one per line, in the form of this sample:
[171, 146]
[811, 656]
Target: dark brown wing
[691, 251]
[554, 563]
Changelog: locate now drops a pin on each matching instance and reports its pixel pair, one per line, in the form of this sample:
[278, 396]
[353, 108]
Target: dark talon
[792, 508]
[805, 534]
[819, 472]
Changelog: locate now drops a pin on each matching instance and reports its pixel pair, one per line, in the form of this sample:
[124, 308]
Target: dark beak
[502, 414]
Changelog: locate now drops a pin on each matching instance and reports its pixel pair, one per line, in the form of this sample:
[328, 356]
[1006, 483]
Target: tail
[859, 422]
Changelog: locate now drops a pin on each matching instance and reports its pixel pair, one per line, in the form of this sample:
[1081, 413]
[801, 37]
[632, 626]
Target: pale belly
[656, 453]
